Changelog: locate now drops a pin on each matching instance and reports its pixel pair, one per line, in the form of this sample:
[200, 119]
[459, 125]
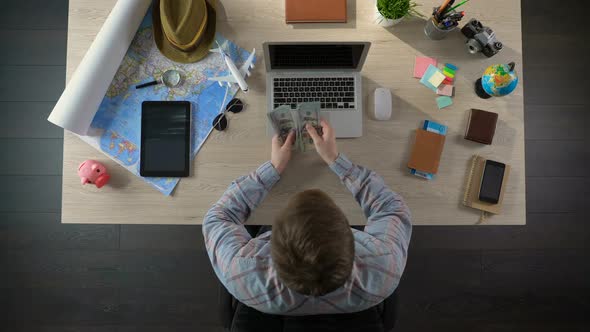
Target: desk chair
[237, 317]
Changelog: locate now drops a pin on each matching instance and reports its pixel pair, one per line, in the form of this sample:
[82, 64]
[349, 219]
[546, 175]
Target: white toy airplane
[237, 76]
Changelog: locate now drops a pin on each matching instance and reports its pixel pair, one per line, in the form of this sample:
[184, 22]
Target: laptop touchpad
[326, 116]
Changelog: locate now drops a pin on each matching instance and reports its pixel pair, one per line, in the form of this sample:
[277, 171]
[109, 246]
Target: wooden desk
[384, 147]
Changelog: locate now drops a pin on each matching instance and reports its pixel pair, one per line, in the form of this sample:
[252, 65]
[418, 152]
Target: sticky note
[448, 81]
[436, 78]
[451, 66]
[444, 101]
[422, 64]
[435, 127]
[427, 176]
[445, 90]
[449, 75]
[430, 71]
[449, 71]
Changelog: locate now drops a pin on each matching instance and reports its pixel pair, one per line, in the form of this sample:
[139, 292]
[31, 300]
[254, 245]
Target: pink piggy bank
[91, 171]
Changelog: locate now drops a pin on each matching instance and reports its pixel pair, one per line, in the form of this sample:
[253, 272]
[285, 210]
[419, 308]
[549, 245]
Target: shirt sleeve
[388, 216]
[223, 226]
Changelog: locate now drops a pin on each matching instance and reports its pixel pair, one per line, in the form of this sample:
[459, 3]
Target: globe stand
[481, 93]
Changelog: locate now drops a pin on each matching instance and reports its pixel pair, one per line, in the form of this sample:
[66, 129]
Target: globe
[497, 81]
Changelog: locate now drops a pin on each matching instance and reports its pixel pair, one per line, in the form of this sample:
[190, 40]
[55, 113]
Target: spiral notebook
[471, 196]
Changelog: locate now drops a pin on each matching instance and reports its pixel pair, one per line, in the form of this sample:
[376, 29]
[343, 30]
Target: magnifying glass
[171, 78]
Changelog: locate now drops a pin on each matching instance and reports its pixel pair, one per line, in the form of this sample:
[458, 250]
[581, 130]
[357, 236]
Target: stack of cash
[284, 119]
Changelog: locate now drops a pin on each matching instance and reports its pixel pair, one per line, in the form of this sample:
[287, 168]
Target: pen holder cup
[432, 31]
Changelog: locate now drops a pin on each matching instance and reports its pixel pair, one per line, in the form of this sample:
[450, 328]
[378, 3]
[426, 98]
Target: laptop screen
[315, 56]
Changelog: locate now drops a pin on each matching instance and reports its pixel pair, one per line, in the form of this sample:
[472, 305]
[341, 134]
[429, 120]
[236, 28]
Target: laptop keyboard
[330, 92]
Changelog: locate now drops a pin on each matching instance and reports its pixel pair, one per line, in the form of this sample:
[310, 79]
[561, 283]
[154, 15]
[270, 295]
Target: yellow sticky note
[436, 79]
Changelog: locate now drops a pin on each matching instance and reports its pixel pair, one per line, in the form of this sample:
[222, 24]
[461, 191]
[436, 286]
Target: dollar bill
[308, 113]
[282, 121]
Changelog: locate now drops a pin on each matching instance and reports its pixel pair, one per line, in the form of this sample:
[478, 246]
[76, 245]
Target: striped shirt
[244, 264]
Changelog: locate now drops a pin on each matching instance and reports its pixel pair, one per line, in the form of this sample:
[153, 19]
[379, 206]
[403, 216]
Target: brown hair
[312, 246]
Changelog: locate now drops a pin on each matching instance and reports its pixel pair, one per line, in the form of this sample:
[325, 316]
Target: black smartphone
[165, 138]
[491, 182]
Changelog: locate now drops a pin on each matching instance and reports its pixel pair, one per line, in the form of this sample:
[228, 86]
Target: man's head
[312, 245]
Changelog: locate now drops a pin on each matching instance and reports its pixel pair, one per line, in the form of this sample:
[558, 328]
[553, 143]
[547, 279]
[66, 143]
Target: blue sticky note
[431, 70]
[451, 66]
[435, 127]
[444, 101]
[427, 176]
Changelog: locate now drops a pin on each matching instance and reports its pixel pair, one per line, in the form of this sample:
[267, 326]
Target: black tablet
[165, 138]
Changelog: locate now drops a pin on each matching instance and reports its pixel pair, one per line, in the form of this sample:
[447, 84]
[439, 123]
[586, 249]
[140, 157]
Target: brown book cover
[481, 126]
[427, 151]
[315, 11]
[471, 196]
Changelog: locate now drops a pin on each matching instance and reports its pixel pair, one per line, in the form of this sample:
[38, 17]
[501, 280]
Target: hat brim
[174, 54]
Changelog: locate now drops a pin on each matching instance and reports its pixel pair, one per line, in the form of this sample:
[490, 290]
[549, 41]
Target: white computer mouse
[383, 105]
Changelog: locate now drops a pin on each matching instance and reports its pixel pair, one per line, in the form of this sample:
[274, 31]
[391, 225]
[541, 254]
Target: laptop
[324, 72]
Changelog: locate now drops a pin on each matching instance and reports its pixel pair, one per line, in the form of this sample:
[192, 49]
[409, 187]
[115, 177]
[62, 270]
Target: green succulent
[394, 9]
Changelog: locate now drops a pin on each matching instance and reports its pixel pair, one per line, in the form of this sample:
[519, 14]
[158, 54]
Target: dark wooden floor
[57, 277]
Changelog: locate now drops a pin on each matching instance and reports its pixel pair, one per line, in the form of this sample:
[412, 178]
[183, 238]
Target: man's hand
[281, 153]
[325, 145]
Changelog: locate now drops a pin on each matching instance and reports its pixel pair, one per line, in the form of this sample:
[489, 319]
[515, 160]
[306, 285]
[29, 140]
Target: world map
[116, 127]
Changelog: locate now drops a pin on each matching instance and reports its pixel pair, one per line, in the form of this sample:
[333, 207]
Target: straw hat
[184, 29]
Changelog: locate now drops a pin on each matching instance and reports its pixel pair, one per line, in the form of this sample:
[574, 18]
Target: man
[312, 262]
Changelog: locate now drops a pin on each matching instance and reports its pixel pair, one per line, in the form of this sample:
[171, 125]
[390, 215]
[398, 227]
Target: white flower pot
[385, 22]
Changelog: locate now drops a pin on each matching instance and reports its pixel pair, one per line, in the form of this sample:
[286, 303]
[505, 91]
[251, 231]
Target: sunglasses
[234, 106]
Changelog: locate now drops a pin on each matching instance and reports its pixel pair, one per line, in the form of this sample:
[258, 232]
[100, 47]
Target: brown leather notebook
[481, 126]
[427, 151]
[315, 11]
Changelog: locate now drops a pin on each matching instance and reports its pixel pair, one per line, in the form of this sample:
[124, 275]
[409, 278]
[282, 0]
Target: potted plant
[391, 12]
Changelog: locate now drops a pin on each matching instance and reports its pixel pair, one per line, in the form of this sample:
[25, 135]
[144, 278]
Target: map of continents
[116, 126]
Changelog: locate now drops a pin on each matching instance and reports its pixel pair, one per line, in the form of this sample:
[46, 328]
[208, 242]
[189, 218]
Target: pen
[441, 8]
[457, 16]
[457, 6]
[449, 5]
[434, 18]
